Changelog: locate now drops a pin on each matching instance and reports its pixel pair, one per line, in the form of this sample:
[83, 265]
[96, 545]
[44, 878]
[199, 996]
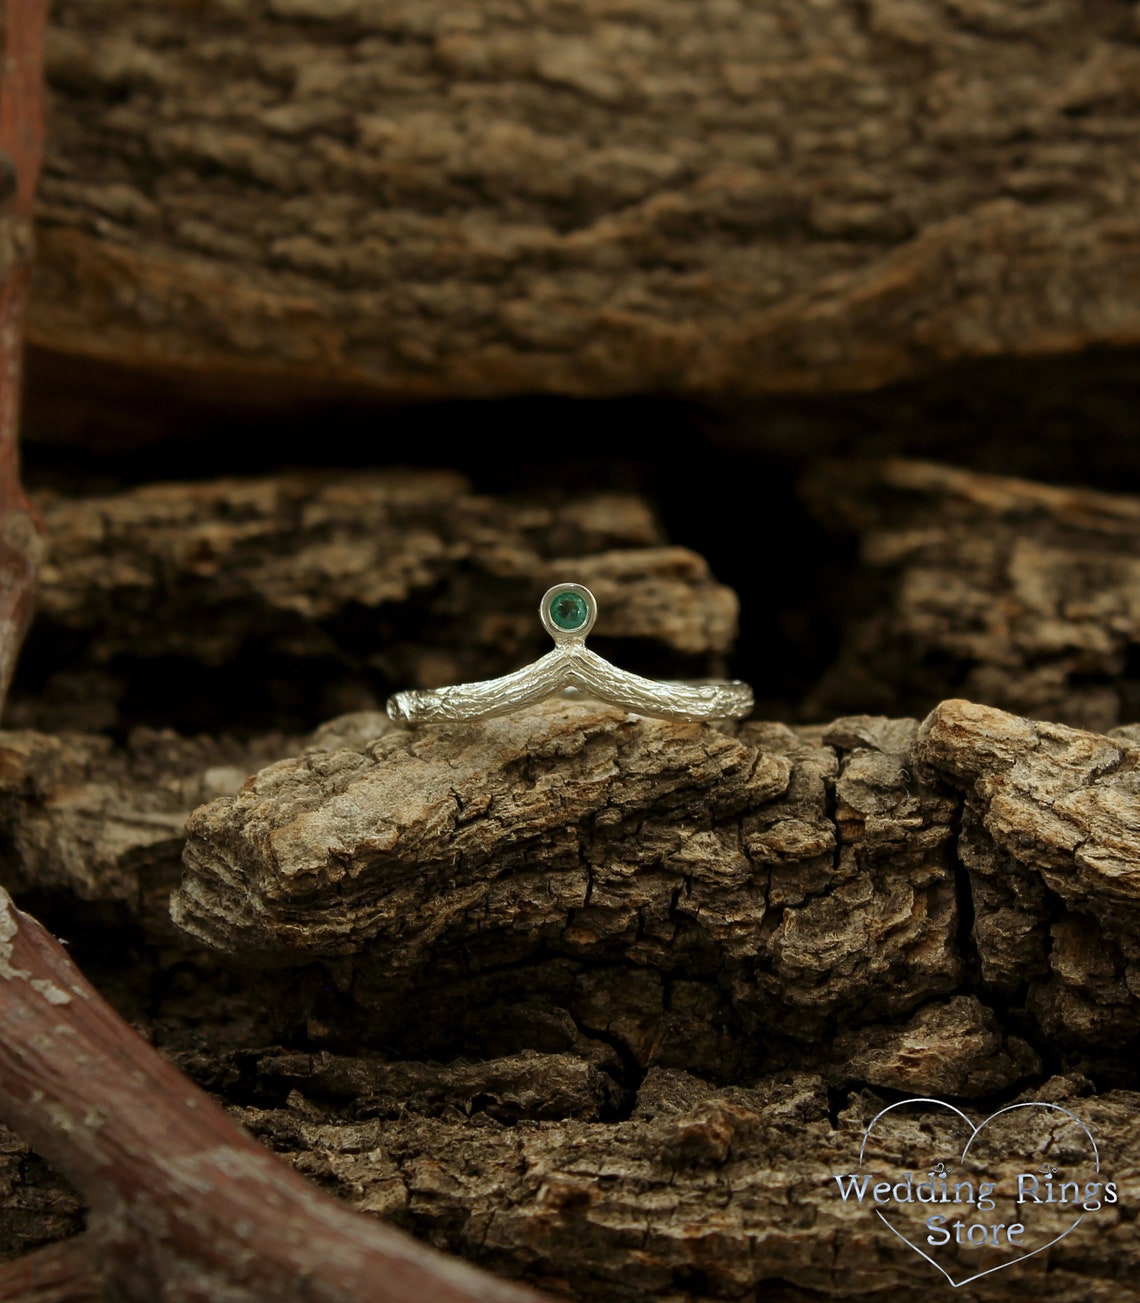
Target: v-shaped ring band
[568, 612]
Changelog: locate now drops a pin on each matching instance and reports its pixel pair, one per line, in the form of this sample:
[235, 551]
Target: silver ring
[568, 612]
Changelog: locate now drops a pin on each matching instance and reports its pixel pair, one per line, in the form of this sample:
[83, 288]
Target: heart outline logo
[974, 1132]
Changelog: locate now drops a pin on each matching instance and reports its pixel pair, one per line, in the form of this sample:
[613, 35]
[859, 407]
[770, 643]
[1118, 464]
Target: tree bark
[287, 599]
[430, 200]
[702, 1192]
[88, 821]
[600, 1001]
[37, 1206]
[684, 897]
[529, 973]
[1017, 594]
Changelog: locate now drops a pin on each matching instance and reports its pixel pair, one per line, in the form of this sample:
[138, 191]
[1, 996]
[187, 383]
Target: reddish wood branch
[184, 1205]
[60, 1273]
[21, 143]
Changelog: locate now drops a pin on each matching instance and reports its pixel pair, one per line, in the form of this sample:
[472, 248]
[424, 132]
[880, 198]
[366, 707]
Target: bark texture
[1022, 595]
[689, 898]
[98, 823]
[358, 585]
[667, 890]
[598, 1001]
[444, 199]
[700, 1193]
[534, 931]
[36, 1205]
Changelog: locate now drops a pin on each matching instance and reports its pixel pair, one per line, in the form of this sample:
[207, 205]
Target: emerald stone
[568, 611]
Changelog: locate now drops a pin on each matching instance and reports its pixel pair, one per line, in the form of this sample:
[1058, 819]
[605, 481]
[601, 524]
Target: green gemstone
[568, 611]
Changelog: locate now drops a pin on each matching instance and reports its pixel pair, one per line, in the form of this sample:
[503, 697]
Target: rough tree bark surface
[532, 932]
[434, 198]
[1022, 595]
[687, 898]
[36, 1205]
[701, 1193]
[600, 1001]
[381, 580]
[106, 824]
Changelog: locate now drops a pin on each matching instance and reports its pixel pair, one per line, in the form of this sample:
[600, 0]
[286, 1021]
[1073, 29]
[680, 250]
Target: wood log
[692, 1191]
[435, 200]
[685, 897]
[664, 888]
[1016, 594]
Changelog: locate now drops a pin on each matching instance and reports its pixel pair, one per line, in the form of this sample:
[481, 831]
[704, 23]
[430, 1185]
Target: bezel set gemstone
[568, 610]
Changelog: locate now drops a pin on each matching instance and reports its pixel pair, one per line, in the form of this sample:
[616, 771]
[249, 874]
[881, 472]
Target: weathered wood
[1017, 594]
[701, 1192]
[693, 1191]
[86, 820]
[687, 897]
[782, 910]
[1052, 815]
[663, 888]
[380, 580]
[439, 199]
[182, 1204]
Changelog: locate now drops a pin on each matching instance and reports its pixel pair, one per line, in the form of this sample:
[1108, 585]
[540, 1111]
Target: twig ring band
[568, 612]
